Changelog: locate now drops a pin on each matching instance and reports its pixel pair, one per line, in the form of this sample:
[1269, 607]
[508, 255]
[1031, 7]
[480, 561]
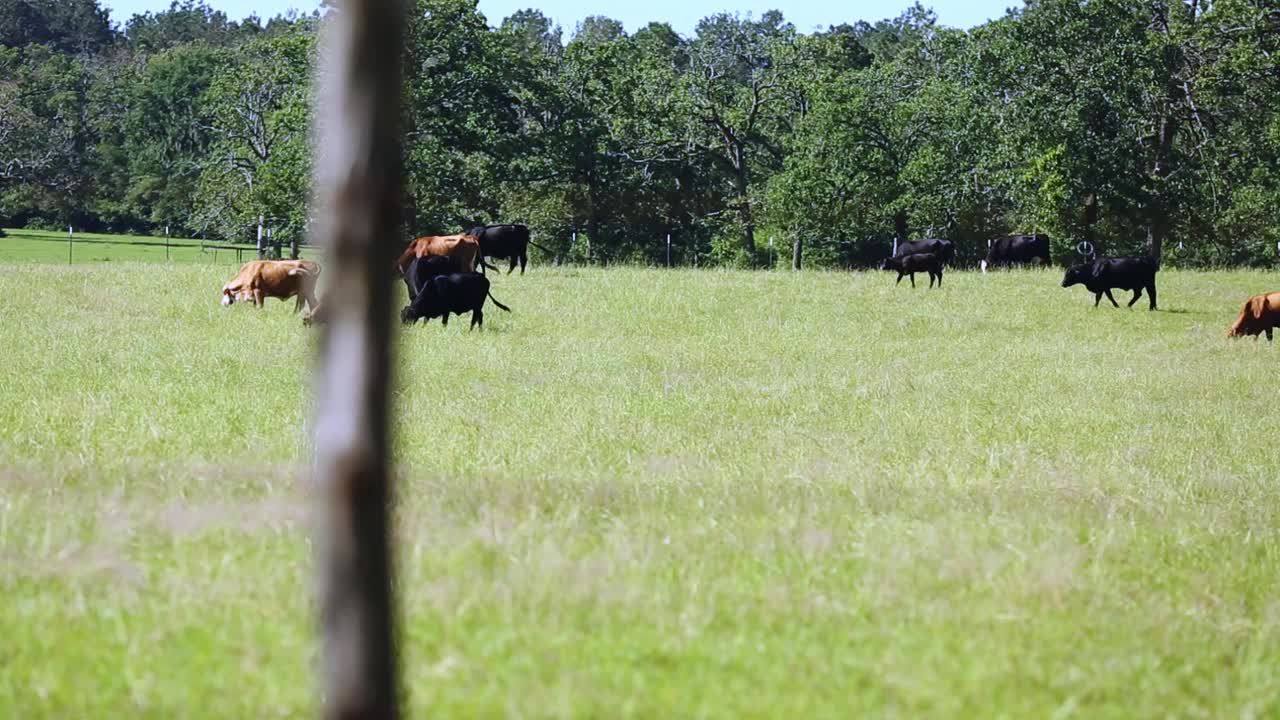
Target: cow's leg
[1151, 293]
[899, 278]
[514, 260]
[1097, 298]
[259, 299]
[1111, 297]
[444, 319]
[477, 318]
[913, 280]
[1268, 334]
[1136, 294]
[524, 258]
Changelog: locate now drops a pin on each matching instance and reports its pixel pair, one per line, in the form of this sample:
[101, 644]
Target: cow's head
[407, 316]
[228, 297]
[1077, 274]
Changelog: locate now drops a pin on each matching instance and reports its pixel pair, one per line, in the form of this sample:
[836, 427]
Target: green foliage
[1139, 126]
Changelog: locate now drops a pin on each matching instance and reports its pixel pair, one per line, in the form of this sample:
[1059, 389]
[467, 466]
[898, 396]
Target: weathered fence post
[70, 243]
[358, 185]
[166, 242]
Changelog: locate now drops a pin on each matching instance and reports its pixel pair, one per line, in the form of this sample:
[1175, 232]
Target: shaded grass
[659, 494]
[44, 246]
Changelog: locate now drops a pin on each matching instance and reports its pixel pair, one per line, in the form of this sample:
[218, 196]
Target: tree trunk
[1090, 219]
[900, 225]
[1159, 209]
[742, 186]
[797, 252]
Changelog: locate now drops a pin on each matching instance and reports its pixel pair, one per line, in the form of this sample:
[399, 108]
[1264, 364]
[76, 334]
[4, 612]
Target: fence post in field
[261, 248]
[668, 249]
[357, 179]
[166, 242]
[70, 243]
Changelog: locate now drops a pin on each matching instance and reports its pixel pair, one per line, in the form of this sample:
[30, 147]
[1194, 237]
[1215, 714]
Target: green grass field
[44, 246]
[658, 494]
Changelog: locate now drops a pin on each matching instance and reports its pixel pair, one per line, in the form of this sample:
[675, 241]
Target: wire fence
[39, 246]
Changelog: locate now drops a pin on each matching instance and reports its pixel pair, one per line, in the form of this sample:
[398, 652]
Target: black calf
[911, 264]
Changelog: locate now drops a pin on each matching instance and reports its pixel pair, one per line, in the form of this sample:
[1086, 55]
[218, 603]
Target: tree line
[1136, 125]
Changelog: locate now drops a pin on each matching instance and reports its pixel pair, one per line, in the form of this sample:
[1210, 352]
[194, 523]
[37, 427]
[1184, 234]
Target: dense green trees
[1139, 125]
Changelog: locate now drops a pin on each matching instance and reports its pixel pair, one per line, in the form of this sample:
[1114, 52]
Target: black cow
[454, 293]
[423, 269]
[1012, 249]
[912, 264]
[1123, 273]
[505, 241]
[944, 249]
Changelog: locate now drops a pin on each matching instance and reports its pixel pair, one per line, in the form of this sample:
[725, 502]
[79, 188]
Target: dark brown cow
[261, 279]
[1260, 314]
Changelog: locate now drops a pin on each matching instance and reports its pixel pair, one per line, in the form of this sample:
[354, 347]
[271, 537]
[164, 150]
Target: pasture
[46, 246]
[657, 494]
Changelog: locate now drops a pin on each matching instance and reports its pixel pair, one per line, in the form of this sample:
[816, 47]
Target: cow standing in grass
[1260, 314]
[945, 250]
[505, 242]
[909, 265]
[1014, 249]
[261, 279]
[1122, 273]
[455, 293]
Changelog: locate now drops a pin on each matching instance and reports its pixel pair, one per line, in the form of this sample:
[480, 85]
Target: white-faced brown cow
[261, 279]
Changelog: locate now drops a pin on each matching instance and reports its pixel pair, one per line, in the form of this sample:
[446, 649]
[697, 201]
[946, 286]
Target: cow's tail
[542, 248]
[495, 301]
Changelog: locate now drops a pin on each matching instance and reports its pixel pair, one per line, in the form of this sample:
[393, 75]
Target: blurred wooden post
[357, 194]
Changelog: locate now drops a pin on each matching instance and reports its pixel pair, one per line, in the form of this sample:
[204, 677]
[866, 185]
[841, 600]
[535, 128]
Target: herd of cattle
[444, 275]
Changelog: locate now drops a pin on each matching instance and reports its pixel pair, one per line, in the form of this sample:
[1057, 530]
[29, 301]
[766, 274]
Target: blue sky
[682, 14]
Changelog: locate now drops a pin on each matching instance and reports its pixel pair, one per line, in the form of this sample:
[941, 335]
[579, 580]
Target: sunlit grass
[47, 246]
[658, 494]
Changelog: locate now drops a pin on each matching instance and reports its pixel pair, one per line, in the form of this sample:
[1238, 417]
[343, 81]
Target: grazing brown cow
[261, 279]
[1261, 313]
